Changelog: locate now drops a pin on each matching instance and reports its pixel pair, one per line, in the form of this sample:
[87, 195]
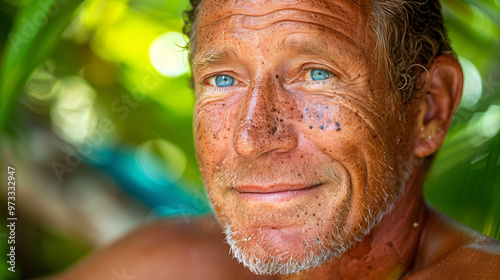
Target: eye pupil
[318, 74]
[224, 81]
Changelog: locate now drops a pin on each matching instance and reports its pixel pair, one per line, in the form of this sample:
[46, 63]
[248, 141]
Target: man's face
[301, 144]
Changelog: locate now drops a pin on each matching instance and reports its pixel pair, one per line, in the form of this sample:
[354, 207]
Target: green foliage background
[106, 44]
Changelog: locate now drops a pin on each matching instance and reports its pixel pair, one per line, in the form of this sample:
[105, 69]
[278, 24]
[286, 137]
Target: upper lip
[273, 188]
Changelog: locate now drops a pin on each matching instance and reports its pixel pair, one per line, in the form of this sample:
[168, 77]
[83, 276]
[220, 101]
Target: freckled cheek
[337, 131]
[320, 119]
[212, 134]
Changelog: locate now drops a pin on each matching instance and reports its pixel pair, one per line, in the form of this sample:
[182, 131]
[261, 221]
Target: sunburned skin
[292, 131]
[309, 178]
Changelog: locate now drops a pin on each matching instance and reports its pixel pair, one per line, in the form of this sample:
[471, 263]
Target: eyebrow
[303, 46]
[214, 57]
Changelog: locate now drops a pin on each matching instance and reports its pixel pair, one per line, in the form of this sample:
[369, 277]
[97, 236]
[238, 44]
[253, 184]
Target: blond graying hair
[408, 34]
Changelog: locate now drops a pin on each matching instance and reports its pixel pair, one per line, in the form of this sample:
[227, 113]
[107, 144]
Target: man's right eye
[222, 81]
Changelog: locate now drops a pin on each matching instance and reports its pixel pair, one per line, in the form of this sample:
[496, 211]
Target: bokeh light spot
[491, 121]
[473, 87]
[167, 55]
[162, 161]
[73, 114]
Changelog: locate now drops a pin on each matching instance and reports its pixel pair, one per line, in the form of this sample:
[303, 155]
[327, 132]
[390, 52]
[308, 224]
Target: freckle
[311, 127]
[314, 215]
[281, 120]
[297, 216]
[302, 116]
[322, 127]
[274, 109]
[338, 129]
[337, 124]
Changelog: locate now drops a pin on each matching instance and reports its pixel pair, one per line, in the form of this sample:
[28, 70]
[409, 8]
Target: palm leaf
[35, 32]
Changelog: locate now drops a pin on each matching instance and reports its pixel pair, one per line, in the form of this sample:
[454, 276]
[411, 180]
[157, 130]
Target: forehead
[346, 17]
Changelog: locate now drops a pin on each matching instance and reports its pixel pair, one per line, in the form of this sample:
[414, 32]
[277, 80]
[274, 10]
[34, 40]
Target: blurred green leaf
[35, 33]
[464, 181]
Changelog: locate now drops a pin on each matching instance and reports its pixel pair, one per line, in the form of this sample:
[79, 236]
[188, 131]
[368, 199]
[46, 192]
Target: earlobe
[443, 89]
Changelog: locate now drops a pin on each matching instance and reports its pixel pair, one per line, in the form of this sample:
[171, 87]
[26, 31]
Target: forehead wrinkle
[259, 22]
[214, 9]
[298, 15]
[307, 46]
[337, 26]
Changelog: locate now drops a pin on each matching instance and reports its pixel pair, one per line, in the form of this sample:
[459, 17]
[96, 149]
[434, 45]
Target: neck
[388, 251]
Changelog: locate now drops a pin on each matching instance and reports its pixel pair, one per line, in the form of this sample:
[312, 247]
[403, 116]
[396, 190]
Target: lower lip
[277, 196]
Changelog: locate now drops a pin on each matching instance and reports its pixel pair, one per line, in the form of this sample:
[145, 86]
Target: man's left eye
[318, 74]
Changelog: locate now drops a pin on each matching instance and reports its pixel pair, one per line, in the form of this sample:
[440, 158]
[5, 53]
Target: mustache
[270, 172]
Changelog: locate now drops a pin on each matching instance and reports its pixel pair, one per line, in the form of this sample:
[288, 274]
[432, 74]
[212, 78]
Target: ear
[443, 91]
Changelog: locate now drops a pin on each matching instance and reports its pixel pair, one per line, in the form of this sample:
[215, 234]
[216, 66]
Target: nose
[260, 127]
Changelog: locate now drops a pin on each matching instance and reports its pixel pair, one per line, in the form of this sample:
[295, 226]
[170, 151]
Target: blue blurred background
[96, 112]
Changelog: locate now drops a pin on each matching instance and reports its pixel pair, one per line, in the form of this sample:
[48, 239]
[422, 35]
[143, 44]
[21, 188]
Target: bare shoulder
[449, 250]
[167, 249]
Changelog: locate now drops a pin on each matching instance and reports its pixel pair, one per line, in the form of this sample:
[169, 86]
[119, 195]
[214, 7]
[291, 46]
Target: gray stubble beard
[319, 250]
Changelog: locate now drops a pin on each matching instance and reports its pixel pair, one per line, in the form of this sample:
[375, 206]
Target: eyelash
[215, 88]
[307, 69]
[310, 68]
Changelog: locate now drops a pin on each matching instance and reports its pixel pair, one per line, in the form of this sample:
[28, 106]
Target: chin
[270, 251]
[286, 244]
[270, 242]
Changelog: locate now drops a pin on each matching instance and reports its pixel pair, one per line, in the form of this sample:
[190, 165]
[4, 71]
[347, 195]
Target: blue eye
[318, 74]
[224, 81]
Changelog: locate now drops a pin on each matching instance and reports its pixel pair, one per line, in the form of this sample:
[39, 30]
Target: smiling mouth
[276, 193]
